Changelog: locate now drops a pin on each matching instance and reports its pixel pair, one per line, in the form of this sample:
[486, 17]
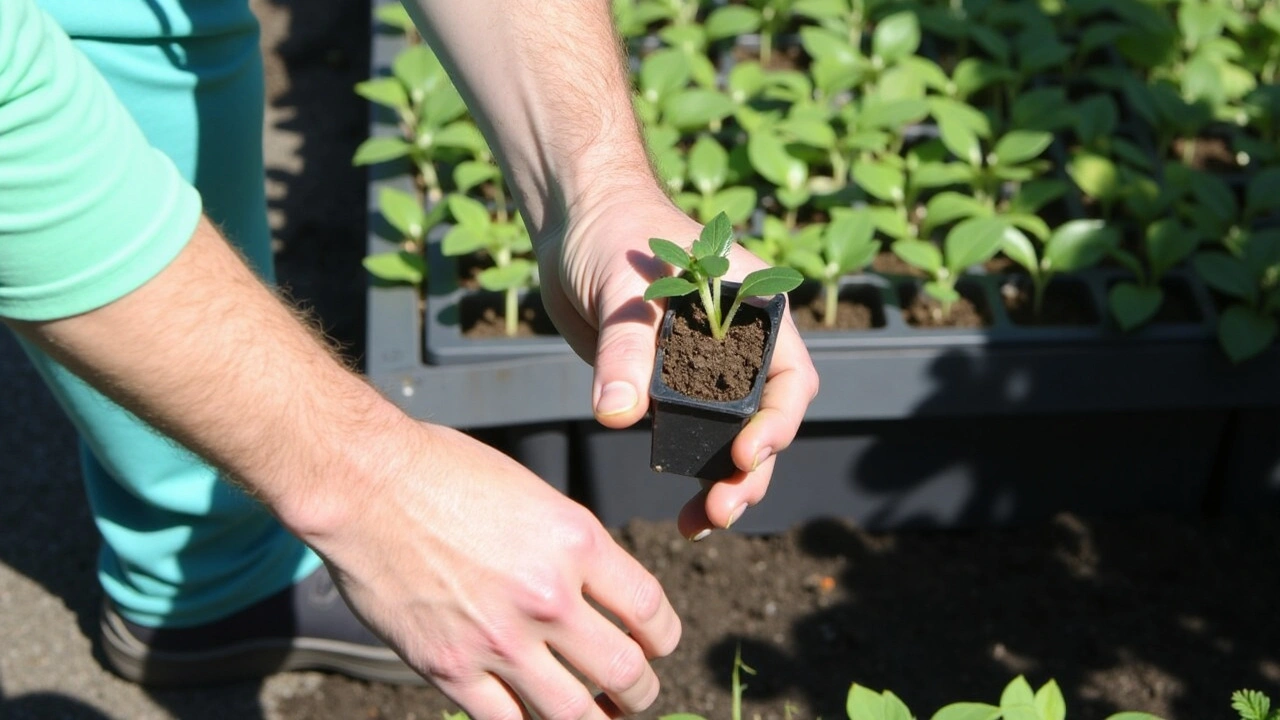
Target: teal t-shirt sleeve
[89, 211]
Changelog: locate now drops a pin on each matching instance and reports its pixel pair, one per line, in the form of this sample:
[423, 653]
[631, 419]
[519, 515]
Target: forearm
[207, 354]
[547, 84]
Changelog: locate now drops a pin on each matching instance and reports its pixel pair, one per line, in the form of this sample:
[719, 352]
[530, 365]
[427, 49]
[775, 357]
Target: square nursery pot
[450, 309]
[692, 436]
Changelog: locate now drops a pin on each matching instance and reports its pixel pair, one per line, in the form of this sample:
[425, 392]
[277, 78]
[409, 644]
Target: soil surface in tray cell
[854, 311]
[700, 366]
[482, 317]
[1064, 304]
[924, 311]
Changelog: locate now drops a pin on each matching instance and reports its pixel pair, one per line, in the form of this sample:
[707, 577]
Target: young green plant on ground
[846, 245]
[506, 243]
[970, 242]
[1072, 247]
[1017, 702]
[702, 268]
[1253, 705]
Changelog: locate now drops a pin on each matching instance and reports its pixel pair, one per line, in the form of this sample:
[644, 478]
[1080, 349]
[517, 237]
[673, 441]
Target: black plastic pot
[692, 436]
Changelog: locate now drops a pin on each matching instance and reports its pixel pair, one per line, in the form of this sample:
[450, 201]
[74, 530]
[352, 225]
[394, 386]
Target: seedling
[710, 170]
[1167, 242]
[1072, 247]
[506, 243]
[403, 211]
[1250, 277]
[702, 268]
[846, 245]
[970, 242]
[1253, 705]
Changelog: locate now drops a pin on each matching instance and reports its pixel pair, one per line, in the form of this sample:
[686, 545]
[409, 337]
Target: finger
[624, 360]
[580, 335]
[610, 659]
[723, 503]
[621, 585]
[791, 386]
[550, 691]
[484, 697]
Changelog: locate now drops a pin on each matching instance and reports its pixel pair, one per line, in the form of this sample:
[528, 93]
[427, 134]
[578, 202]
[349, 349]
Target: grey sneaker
[304, 627]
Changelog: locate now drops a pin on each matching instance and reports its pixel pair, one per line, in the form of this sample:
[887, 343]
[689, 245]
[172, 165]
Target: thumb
[624, 362]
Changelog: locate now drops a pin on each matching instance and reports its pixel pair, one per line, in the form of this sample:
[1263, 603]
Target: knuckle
[648, 598]
[573, 706]
[626, 670]
[546, 600]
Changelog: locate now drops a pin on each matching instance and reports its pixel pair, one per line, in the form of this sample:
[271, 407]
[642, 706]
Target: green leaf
[769, 282]
[468, 175]
[420, 71]
[864, 704]
[404, 212]
[895, 709]
[397, 267]
[463, 135]
[380, 149]
[1134, 716]
[1079, 244]
[896, 37]
[1020, 146]
[708, 164]
[1095, 175]
[468, 212]
[850, 239]
[716, 238]
[1226, 274]
[696, 108]
[936, 174]
[1243, 332]
[1045, 109]
[386, 91]
[1018, 700]
[892, 115]
[461, 240]
[823, 44]
[731, 20]
[967, 711]
[1018, 247]
[662, 73]
[736, 202]
[769, 156]
[972, 242]
[1133, 305]
[880, 180]
[943, 292]
[1251, 704]
[713, 266]
[960, 138]
[668, 287]
[1050, 705]
[973, 74]
[395, 16]
[1096, 118]
[920, 254]
[516, 274]
[1168, 243]
[670, 253]
[1263, 193]
[1034, 195]
[1033, 224]
[947, 207]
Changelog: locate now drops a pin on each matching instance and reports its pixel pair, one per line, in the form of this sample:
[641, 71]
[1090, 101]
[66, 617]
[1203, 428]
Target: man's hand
[594, 273]
[479, 574]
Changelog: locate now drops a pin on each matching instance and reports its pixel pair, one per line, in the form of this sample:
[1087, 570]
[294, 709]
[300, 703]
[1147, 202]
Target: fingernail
[761, 455]
[736, 514]
[701, 535]
[615, 398]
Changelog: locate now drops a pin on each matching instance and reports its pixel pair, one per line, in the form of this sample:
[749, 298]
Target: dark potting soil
[854, 311]
[1155, 614]
[481, 316]
[924, 311]
[698, 365]
[1065, 303]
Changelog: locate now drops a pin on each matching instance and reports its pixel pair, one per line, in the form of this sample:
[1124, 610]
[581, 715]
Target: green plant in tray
[403, 211]
[970, 242]
[1018, 702]
[506, 243]
[710, 171]
[1166, 243]
[702, 268]
[845, 245]
[1249, 279]
[1071, 247]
